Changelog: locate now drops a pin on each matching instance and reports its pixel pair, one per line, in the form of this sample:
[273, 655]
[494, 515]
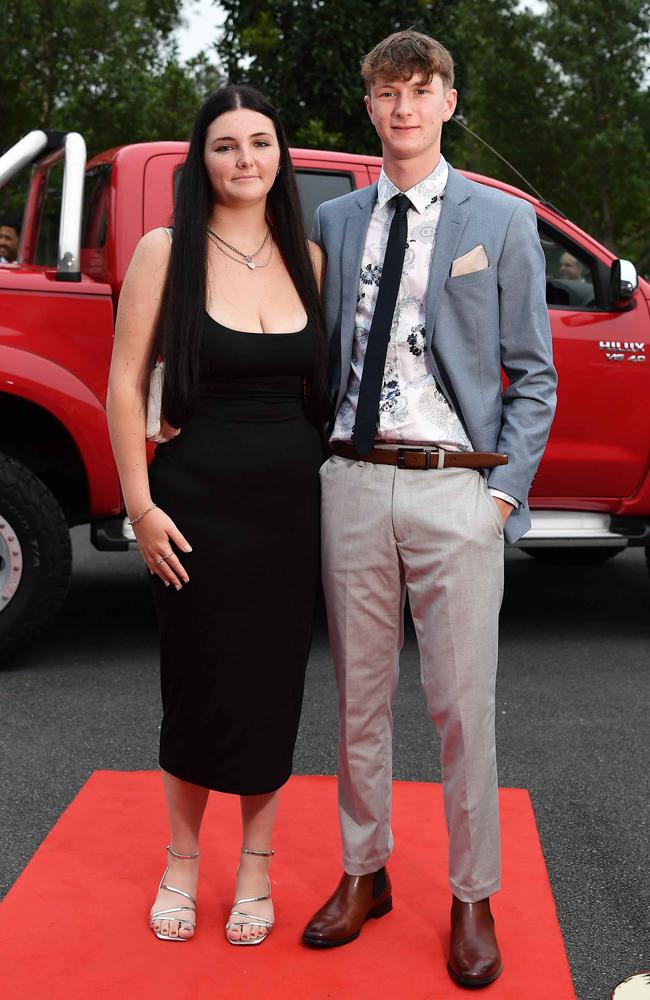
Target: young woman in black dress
[227, 515]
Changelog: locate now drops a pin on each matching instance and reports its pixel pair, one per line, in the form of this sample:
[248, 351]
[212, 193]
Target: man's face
[408, 115]
[8, 242]
[570, 267]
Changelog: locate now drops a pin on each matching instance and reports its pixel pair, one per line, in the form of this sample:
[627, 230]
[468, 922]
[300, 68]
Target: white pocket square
[473, 260]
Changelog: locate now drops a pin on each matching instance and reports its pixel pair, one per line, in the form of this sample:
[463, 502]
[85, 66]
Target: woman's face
[241, 156]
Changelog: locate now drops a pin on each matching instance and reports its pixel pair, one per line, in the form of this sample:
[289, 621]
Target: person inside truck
[227, 516]
[570, 267]
[573, 285]
[9, 237]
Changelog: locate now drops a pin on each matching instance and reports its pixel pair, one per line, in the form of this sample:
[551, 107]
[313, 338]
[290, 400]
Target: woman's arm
[128, 386]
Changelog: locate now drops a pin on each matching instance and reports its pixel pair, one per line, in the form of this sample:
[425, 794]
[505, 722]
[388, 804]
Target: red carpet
[74, 925]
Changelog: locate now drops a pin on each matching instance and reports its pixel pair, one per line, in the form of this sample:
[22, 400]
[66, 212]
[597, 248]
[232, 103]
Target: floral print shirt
[411, 407]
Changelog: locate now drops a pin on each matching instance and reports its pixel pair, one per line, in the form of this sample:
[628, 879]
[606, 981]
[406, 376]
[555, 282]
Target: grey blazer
[476, 324]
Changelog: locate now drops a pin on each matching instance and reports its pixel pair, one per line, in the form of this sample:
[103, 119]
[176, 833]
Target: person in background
[434, 283]
[9, 238]
[227, 515]
[570, 267]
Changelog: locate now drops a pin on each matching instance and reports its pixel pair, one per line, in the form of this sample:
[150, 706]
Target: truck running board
[571, 528]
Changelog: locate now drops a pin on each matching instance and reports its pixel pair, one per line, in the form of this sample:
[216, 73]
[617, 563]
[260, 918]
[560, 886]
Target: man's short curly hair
[405, 54]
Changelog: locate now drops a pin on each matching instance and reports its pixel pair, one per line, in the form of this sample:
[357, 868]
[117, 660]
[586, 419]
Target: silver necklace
[247, 257]
[252, 265]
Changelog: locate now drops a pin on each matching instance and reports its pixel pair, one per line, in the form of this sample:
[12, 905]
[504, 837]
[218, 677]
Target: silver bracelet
[135, 520]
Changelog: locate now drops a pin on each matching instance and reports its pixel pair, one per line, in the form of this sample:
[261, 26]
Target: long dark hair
[182, 309]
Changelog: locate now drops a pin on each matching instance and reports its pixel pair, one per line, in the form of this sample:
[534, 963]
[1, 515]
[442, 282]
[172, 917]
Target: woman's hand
[154, 534]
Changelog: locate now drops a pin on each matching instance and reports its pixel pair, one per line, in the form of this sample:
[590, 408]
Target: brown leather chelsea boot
[356, 899]
[474, 958]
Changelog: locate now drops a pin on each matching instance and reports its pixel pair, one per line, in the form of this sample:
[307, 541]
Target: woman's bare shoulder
[154, 244]
[147, 271]
[151, 254]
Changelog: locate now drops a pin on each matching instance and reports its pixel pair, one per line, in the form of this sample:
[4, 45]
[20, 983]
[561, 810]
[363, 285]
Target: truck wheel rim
[11, 563]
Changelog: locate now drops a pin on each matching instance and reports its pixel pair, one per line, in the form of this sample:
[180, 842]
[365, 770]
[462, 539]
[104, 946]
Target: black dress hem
[193, 780]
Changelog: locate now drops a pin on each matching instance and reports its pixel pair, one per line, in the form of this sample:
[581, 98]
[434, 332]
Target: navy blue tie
[372, 377]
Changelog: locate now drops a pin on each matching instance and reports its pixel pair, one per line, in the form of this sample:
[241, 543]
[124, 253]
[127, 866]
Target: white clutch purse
[154, 404]
[154, 399]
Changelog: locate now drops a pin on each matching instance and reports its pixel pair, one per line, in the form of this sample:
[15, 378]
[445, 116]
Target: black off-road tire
[35, 557]
[577, 556]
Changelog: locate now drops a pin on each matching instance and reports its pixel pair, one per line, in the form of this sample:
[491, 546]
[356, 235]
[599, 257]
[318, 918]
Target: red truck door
[159, 175]
[600, 440]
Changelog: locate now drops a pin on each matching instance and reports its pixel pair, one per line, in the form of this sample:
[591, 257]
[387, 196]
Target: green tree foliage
[106, 68]
[507, 91]
[563, 96]
[562, 93]
[599, 52]
[305, 57]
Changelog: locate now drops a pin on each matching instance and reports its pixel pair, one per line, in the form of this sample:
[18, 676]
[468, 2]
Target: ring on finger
[164, 558]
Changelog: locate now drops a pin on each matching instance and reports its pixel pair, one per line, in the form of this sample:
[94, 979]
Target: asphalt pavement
[572, 727]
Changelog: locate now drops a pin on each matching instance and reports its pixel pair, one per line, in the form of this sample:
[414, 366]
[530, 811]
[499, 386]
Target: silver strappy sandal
[157, 914]
[250, 918]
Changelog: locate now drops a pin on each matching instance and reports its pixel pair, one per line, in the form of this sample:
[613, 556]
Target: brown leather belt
[423, 458]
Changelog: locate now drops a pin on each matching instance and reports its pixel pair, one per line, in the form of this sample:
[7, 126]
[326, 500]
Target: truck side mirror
[623, 283]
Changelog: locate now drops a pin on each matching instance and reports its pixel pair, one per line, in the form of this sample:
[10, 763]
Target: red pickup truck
[591, 496]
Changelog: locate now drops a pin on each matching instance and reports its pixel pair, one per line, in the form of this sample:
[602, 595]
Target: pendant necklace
[253, 265]
[247, 257]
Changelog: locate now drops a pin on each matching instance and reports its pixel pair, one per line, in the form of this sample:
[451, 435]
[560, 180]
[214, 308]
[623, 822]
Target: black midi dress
[241, 483]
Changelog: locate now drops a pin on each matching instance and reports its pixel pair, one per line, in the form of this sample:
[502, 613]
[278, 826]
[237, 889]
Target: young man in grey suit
[434, 284]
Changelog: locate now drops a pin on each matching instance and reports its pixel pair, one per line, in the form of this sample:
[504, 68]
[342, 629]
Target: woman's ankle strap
[182, 857]
[261, 854]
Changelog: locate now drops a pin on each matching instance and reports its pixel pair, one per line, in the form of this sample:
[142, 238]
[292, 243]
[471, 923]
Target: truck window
[571, 280]
[47, 247]
[96, 189]
[176, 179]
[317, 186]
[314, 187]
